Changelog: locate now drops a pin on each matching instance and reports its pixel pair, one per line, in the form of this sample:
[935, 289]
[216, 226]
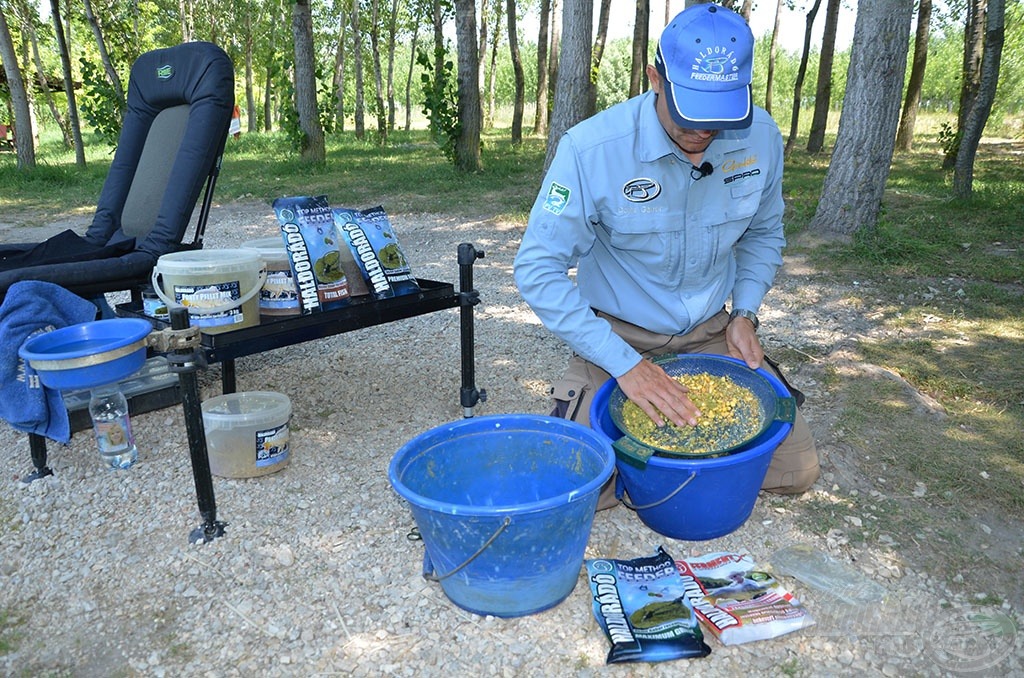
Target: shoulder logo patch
[641, 189]
[557, 198]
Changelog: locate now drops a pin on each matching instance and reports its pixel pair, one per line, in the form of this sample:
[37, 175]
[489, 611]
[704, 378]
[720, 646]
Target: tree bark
[519, 103]
[313, 148]
[855, 182]
[540, 117]
[357, 63]
[24, 143]
[555, 47]
[69, 86]
[389, 79]
[338, 77]
[641, 21]
[250, 86]
[905, 131]
[977, 117]
[573, 74]
[798, 88]
[823, 93]
[27, 15]
[970, 77]
[408, 79]
[378, 78]
[467, 143]
[599, 43]
[492, 68]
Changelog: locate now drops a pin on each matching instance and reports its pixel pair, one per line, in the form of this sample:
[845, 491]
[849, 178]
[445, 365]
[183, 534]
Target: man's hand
[743, 343]
[656, 393]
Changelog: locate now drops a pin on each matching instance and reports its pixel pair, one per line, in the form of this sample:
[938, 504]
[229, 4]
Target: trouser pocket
[567, 397]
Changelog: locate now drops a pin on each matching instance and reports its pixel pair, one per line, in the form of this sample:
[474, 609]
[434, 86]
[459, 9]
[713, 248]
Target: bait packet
[311, 242]
[737, 602]
[376, 249]
[643, 608]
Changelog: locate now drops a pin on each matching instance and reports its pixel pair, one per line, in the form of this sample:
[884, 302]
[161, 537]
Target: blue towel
[30, 307]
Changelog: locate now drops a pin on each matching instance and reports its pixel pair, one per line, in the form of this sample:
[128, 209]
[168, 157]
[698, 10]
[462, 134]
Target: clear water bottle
[109, 411]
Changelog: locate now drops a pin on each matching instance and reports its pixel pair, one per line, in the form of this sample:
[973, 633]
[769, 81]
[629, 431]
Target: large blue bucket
[693, 499]
[504, 505]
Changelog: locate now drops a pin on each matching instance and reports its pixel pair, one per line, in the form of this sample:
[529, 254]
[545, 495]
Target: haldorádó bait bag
[643, 608]
[737, 602]
[314, 253]
[375, 246]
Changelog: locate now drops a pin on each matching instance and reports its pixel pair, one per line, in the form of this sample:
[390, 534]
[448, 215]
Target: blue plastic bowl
[88, 354]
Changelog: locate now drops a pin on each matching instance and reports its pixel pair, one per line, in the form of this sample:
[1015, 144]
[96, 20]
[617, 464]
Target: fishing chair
[180, 101]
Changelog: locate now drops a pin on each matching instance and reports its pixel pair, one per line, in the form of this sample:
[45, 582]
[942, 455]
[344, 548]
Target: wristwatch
[743, 313]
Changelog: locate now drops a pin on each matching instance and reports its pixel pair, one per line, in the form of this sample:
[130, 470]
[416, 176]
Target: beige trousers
[794, 466]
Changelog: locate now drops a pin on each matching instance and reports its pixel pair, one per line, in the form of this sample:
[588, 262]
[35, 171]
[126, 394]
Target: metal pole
[192, 404]
[469, 395]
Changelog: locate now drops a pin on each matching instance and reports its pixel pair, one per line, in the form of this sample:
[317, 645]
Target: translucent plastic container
[247, 433]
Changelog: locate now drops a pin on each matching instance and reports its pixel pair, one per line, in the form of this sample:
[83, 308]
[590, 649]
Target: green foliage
[440, 99]
[101, 107]
[949, 140]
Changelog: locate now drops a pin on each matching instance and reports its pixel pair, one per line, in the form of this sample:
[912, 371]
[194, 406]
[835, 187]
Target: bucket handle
[223, 308]
[428, 565]
[619, 489]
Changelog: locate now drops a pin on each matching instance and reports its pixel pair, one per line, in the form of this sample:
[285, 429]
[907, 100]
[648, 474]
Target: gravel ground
[316, 575]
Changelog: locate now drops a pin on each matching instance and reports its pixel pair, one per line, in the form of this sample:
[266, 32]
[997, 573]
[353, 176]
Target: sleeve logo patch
[557, 198]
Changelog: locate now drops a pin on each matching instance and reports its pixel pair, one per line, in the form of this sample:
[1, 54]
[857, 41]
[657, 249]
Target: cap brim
[691, 109]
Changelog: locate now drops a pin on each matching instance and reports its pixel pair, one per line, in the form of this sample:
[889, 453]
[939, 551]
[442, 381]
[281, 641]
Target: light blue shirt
[651, 244]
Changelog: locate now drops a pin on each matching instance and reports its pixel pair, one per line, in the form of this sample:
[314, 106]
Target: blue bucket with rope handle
[504, 505]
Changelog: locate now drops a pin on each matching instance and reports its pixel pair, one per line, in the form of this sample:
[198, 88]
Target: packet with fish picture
[736, 601]
[375, 247]
[643, 608]
[314, 253]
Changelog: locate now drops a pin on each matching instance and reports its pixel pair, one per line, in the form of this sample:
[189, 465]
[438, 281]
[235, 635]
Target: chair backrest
[142, 203]
[180, 101]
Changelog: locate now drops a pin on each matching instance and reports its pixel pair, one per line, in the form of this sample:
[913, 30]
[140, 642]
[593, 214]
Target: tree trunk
[389, 80]
[555, 47]
[905, 132]
[794, 121]
[492, 76]
[772, 49]
[970, 78]
[313, 149]
[250, 85]
[974, 124]
[187, 21]
[540, 117]
[599, 43]
[519, 104]
[855, 182]
[101, 46]
[29, 30]
[408, 78]
[823, 93]
[24, 142]
[467, 143]
[573, 74]
[378, 78]
[69, 86]
[338, 77]
[357, 59]
[641, 20]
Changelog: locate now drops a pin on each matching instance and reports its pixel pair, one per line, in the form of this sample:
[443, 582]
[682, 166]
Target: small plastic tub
[247, 433]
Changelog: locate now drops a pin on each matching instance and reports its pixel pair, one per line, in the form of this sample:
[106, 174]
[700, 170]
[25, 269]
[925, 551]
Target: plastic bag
[643, 609]
[307, 227]
[376, 249]
[737, 602]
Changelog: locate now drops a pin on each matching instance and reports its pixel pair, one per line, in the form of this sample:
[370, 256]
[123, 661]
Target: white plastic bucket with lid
[279, 295]
[218, 287]
[247, 433]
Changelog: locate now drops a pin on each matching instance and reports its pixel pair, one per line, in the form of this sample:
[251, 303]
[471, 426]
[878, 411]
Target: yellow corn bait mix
[730, 414]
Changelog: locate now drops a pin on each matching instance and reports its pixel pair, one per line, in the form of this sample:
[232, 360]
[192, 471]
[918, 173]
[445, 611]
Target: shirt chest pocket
[648, 242]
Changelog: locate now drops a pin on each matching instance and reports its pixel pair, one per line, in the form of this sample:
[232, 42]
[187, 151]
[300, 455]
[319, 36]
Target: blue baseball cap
[705, 57]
